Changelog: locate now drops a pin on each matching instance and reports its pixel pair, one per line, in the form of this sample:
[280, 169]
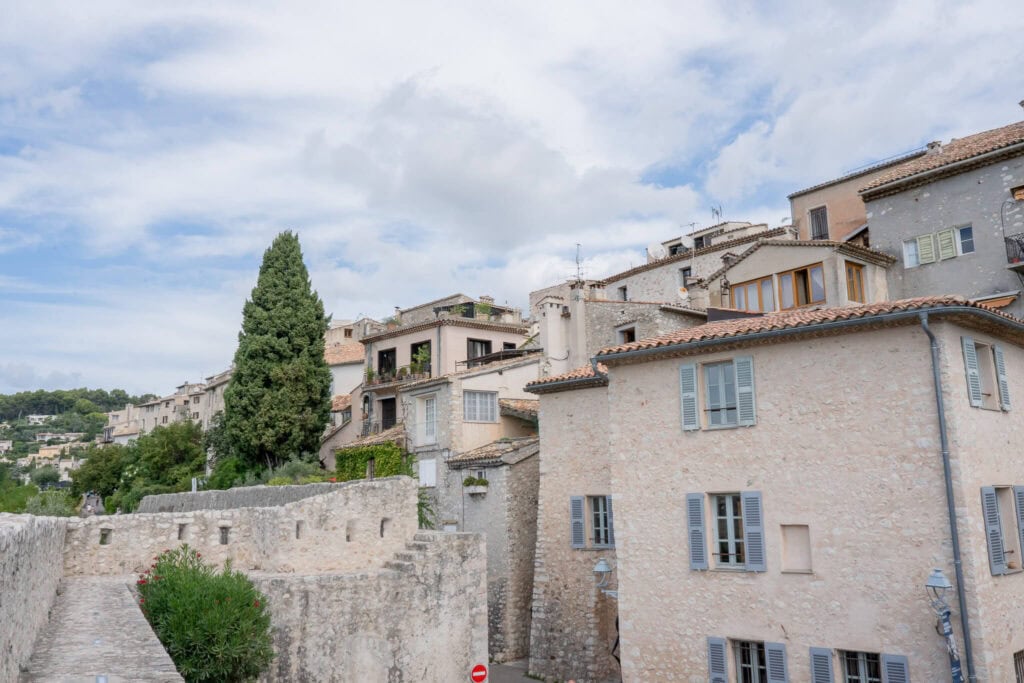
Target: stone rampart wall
[424, 621]
[30, 569]
[352, 528]
[243, 497]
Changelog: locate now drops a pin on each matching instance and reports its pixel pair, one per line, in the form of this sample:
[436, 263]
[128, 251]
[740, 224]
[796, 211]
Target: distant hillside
[81, 401]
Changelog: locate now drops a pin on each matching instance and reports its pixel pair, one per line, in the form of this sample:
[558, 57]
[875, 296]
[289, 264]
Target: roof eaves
[899, 159]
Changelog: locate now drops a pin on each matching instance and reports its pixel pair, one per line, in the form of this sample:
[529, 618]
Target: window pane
[767, 295]
[740, 295]
[817, 284]
[910, 255]
[966, 240]
[802, 287]
[786, 290]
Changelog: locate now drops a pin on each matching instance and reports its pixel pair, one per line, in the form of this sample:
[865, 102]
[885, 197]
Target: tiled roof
[524, 408]
[855, 250]
[686, 256]
[508, 451]
[341, 402]
[730, 329]
[394, 434]
[513, 328]
[953, 152]
[578, 378]
[472, 372]
[342, 354]
[899, 159]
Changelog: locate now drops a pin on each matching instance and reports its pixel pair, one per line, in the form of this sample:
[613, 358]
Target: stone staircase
[415, 551]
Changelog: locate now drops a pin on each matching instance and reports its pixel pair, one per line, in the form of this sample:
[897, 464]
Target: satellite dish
[684, 294]
[686, 241]
[657, 250]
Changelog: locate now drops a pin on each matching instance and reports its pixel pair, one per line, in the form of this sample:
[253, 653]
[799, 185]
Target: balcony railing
[403, 374]
[1015, 249]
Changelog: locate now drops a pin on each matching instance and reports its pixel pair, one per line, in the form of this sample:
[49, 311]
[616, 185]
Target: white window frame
[760, 656]
[861, 675]
[600, 529]
[960, 240]
[723, 406]
[429, 419]
[480, 406]
[734, 545]
[911, 256]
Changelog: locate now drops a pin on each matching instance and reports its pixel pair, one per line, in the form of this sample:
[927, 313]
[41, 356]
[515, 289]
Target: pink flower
[255, 603]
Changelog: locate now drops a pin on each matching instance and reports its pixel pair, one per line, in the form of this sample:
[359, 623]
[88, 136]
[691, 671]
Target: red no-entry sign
[479, 673]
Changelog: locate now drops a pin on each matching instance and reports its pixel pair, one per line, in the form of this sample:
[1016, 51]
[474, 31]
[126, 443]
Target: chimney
[934, 146]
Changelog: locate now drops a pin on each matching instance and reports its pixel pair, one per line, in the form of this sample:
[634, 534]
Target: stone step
[415, 545]
[400, 566]
[424, 537]
[406, 557]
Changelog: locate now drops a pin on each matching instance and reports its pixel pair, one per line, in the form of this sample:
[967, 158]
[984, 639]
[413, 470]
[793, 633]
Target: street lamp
[603, 571]
[938, 586]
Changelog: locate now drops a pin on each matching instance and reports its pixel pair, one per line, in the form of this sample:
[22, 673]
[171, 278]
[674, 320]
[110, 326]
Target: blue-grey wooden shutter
[753, 530]
[895, 669]
[611, 525]
[579, 533]
[1004, 385]
[717, 672]
[744, 366]
[821, 665]
[688, 397]
[775, 655]
[993, 530]
[973, 376]
[1018, 499]
[695, 526]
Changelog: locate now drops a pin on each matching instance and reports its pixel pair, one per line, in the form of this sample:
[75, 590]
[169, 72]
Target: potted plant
[421, 360]
[370, 375]
[475, 486]
[483, 310]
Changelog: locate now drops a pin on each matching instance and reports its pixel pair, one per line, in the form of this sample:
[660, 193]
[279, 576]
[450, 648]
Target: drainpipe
[940, 409]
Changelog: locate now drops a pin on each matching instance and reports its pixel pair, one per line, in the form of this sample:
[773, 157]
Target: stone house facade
[954, 218]
[777, 516]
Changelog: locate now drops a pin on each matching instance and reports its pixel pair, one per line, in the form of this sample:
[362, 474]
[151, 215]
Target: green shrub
[474, 481]
[279, 481]
[215, 626]
[389, 460]
[52, 504]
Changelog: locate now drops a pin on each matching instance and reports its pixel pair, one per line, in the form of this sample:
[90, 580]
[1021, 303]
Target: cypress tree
[279, 399]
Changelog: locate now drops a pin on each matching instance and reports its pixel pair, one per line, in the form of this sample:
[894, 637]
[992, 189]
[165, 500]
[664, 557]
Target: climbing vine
[388, 460]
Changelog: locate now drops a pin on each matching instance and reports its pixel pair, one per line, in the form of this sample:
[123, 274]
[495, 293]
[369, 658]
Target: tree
[278, 401]
[45, 476]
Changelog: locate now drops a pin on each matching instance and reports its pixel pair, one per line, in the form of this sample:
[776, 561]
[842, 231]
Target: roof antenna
[716, 214]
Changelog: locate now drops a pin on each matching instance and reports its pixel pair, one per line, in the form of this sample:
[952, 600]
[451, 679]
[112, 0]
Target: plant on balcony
[458, 310]
[483, 310]
[475, 485]
[370, 375]
[420, 360]
[402, 373]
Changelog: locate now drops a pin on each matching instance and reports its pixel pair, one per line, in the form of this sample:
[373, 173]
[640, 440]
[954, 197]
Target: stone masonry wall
[521, 537]
[243, 497]
[425, 621]
[30, 569]
[354, 527]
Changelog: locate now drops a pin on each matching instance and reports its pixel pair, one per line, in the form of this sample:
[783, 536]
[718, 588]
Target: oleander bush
[214, 624]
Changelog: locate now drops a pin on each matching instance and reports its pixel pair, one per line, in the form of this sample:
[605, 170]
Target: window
[701, 242]
[590, 517]
[861, 667]
[225, 532]
[623, 293]
[911, 258]
[987, 383]
[965, 240]
[477, 347]
[508, 346]
[751, 664]
[1003, 511]
[195, 399]
[684, 274]
[738, 539]
[796, 548]
[626, 335]
[163, 420]
[480, 406]
[348, 333]
[819, 223]
[430, 419]
[387, 361]
[756, 296]
[419, 353]
[428, 472]
[802, 287]
[728, 394]
[755, 662]
[855, 282]
[1018, 659]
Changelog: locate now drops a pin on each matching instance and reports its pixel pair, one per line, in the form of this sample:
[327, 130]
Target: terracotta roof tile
[499, 450]
[519, 407]
[951, 153]
[802, 318]
[394, 434]
[584, 373]
[341, 402]
[342, 354]
[855, 250]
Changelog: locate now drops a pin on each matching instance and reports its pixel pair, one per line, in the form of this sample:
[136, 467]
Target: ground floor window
[861, 667]
[1018, 666]
[751, 665]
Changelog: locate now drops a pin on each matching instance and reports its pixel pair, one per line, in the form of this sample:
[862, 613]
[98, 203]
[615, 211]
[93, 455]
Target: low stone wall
[30, 569]
[423, 620]
[242, 497]
[354, 527]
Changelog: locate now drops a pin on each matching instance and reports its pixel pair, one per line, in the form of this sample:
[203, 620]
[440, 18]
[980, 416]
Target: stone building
[955, 218]
[780, 497]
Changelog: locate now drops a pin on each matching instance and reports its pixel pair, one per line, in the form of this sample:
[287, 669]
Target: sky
[151, 151]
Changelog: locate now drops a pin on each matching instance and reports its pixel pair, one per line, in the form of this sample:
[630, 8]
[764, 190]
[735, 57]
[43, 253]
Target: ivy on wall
[388, 460]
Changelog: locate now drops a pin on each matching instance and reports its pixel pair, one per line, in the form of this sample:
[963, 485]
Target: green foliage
[227, 472]
[52, 503]
[388, 460]
[425, 509]
[214, 625]
[13, 495]
[278, 401]
[280, 481]
[102, 469]
[14, 406]
[172, 455]
[45, 476]
[484, 308]
[474, 481]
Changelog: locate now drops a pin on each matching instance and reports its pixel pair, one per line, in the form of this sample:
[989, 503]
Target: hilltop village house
[731, 560]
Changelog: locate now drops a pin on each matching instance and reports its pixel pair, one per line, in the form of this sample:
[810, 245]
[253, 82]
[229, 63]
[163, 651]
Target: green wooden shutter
[578, 533]
[993, 530]
[688, 397]
[775, 656]
[695, 527]
[895, 669]
[745, 412]
[947, 244]
[1004, 384]
[611, 525]
[753, 530]
[926, 248]
[971, 367]
[821, 665]
[717, 671]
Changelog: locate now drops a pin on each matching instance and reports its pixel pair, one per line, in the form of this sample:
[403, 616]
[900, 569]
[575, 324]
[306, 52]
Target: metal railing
[1015, 248]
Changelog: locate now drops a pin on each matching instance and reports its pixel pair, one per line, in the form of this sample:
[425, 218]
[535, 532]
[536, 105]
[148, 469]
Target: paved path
[512, 672]
[96, 629]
